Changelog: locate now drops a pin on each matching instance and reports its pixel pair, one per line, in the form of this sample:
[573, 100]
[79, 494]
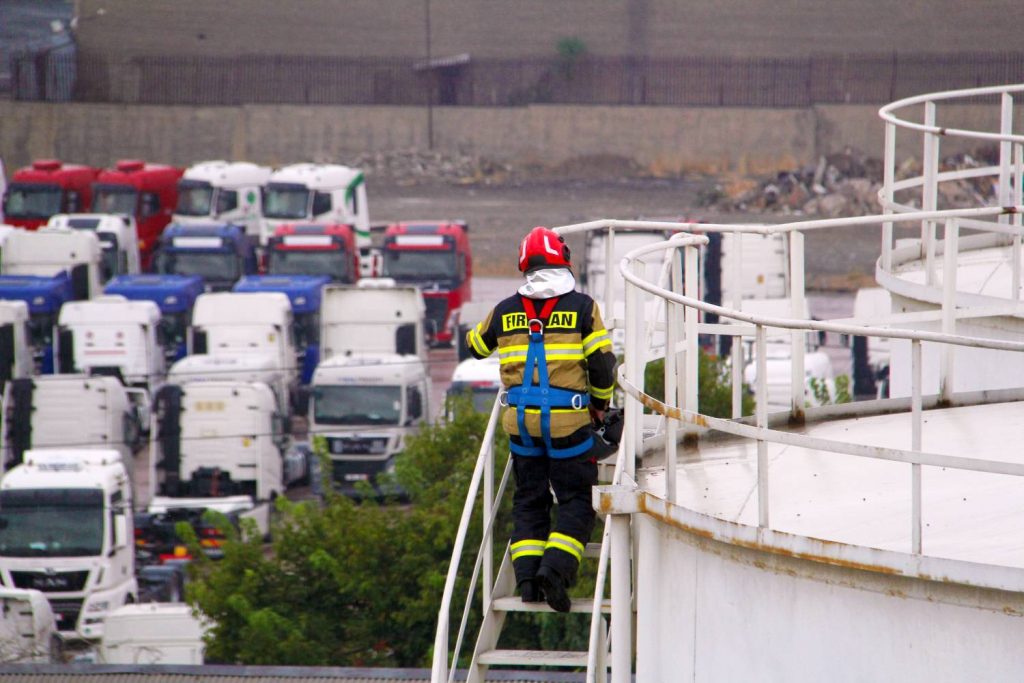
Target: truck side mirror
[405, 339]
[65, 350]
[80, 282]
[198, 341]
[120, 532]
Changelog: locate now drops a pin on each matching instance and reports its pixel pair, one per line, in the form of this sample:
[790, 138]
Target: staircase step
[516, 604]
[533, 658]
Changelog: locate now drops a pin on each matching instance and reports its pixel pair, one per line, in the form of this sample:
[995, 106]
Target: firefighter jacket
[577, 351]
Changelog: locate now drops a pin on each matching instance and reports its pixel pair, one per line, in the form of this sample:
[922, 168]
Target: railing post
[622, 600]
[611, 272]
[488, 511]
[634, 360]
[760, 355]
[671, 376]
[692, 357]
[798, 310]
[915, 469]
[951, 243]
[736, 301]
[888, 181]
[929, 192]
[1018, 219]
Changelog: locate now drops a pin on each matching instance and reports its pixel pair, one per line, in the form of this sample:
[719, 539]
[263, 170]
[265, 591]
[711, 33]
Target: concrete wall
[532, 28]
[663, 139]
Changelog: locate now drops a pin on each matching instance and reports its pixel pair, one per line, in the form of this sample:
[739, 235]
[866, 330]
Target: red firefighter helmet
[543, 248]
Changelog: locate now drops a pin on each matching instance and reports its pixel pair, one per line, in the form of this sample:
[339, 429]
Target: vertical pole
[671, 377]
[692, 357]
[887, 183]
[949, 278]
[1018, 219]
[634, 360]
[736, 301]
[488, 511]
[760, 355]
[915, 469]
[929, 192]
[622, 601]
[611, 273]
[798, 310]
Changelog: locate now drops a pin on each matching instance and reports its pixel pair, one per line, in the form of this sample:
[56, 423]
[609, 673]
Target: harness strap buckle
[503, 398]
[577, 401]
[536, 326]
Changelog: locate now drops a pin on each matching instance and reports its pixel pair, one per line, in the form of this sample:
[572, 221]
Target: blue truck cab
[44, 296]
[219, 253]
[175, 295]
[303, 292]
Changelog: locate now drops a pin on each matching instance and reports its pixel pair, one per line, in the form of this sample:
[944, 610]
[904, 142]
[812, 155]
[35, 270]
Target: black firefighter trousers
[535, 542]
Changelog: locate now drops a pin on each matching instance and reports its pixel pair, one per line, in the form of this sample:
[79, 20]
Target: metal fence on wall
[691, 81]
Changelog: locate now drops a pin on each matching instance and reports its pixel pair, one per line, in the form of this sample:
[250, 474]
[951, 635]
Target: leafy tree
[714, 392]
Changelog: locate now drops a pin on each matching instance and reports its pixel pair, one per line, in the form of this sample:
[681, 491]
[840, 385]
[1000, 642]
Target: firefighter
[557, 369]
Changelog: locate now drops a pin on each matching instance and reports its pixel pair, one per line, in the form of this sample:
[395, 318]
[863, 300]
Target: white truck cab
[69, 411]
[118, 235]
[478, 377]
[365, 405]
[49, 251]
[217, 445]
[246, 332]
[222, 191]
[66, 530]
[319, 193]
[152, 633]
[373, 316]
[16, 360]
[115, 334]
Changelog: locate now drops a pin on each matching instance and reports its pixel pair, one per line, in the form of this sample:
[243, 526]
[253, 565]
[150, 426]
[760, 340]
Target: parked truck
[217, 445]
[175, 295]
[320, 193]
[70, 411]
[50, 251]
[66, 530]
[220, 253]
[436, 257]
[303, 292]
[310, 249]
[43, 298]
[47, 187]
[152, 633]
[244, 337]
[115, 336]
[117, 233]
[147, 192]
[372, 388]
[222, 191]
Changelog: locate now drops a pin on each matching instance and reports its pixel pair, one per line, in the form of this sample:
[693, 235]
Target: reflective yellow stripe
[593, 344]
[563, 347]
[565, 543]
[565, 356]
[536, 411]
[594, 335]
[528, 548]
[477, 341]
[602, 393]
[512, 359]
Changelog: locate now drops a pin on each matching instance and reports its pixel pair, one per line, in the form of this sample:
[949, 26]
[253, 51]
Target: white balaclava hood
[544, 283]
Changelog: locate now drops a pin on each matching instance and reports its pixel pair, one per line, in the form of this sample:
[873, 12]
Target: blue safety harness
[542, 395]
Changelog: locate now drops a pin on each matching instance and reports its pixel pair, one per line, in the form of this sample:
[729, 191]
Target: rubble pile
[847, 184]
[414, 167]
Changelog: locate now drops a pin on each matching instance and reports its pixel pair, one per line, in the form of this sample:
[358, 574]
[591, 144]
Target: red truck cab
[435, 256]
[149, 192]
[310, 249]
[45, 188]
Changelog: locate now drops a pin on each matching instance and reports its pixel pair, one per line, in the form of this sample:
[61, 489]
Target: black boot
[530, 591]
[553, 585]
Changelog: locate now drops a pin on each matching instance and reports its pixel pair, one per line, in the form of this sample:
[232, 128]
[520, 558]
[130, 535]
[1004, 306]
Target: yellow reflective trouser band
[566, 543]
[602, 393]
[527, 548]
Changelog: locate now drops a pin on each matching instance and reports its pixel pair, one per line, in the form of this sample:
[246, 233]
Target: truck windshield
[420, 265]
[206, 264]
[330, 262]
[357, 405]
[194, 199]
[286, 202]
[51, 522]
[114, 199]
[32, 201]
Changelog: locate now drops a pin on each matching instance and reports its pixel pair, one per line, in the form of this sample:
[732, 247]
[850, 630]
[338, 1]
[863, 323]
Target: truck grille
[66, 613]
[346, 473]
[348, 445]
[51, 582]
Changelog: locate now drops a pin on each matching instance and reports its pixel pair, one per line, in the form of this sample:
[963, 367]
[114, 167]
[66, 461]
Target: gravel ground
[498, 216]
